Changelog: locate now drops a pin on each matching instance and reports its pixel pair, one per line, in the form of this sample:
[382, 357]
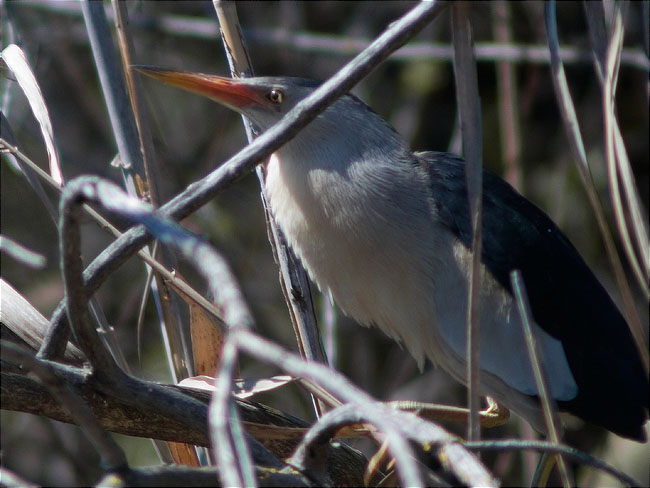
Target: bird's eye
[275, 96]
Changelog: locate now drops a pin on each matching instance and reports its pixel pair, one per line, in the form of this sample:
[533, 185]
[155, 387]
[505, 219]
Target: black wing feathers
[566, 299]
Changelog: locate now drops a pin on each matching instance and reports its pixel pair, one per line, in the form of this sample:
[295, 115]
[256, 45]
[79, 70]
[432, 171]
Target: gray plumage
[387, 233]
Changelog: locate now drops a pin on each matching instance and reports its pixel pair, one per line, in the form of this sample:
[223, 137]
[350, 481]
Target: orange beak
[233, 93]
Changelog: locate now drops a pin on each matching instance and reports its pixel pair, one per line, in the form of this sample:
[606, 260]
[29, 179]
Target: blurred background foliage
[192, 136]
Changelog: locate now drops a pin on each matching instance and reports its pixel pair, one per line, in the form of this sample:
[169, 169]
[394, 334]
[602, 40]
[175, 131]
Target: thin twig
[572, 128]
[72, 270]
[34, 182]
[117, 100]
[540, 446]
[618, 165]
[548, 406]
[22, 254]
[507, 98]
[233, 459]
[469, 112]
[201, 28]
[147, 188]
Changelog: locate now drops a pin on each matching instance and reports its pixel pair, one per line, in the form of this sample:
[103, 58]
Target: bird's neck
[334, 162]
[345, 167]
[338, 142]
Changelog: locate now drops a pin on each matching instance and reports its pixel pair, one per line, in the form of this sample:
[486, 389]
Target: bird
[387, 233]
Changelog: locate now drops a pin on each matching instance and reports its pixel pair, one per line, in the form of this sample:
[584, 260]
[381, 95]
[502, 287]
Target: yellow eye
[275, 96]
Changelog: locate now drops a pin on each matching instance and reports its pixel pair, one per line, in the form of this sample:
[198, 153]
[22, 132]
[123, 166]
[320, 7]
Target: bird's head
[264, 100]
[348, 124]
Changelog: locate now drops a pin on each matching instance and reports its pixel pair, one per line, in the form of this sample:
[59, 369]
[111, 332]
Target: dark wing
[566, 298]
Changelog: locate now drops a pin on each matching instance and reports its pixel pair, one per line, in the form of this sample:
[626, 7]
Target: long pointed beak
[235, 94]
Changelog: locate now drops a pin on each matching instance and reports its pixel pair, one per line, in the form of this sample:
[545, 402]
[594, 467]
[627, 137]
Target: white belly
[408, 277]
